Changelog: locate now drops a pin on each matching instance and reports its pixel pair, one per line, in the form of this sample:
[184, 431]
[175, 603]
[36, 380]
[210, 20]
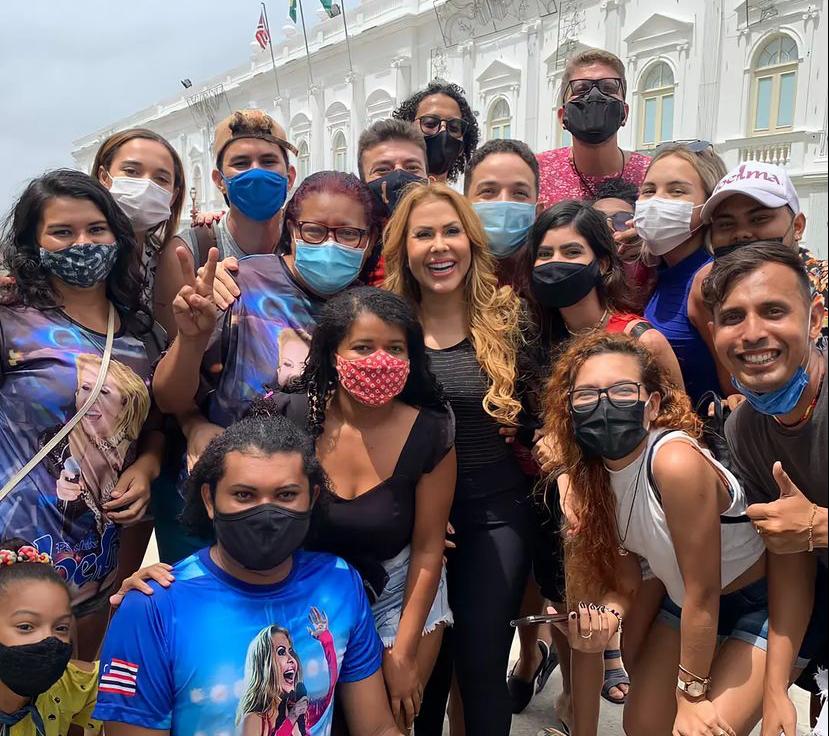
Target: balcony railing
[767, 153]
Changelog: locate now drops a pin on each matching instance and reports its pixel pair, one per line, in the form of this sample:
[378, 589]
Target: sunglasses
[430, 125]
[607, 86]
[696, 145]
[618, 221]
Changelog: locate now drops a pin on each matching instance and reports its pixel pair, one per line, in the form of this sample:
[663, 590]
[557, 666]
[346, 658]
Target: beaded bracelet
[812, 528]
[606, 609]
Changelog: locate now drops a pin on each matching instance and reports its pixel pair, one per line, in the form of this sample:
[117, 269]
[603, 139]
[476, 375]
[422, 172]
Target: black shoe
[520, 691]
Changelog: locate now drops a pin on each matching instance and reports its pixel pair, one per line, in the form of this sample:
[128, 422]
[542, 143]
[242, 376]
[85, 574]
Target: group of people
[373, 422]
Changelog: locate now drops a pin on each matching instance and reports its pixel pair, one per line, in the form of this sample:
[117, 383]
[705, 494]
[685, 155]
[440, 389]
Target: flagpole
[347, 42]
[270, 46]
[307, 50]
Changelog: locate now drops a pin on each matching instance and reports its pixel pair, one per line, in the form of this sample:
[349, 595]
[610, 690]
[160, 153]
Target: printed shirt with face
[48, 364]
[197, 657]
[560, 180]
[262, 340]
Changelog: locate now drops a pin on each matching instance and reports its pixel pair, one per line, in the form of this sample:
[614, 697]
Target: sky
[69, 68]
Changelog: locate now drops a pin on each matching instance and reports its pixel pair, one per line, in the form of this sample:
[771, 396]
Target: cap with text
[769, 184]
[249, 124]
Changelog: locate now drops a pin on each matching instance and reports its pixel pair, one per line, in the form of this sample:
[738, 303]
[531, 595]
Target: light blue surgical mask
[328, 267]
[506, 225]
[778, 402]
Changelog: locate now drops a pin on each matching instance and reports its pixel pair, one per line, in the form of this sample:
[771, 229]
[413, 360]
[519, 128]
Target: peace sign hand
[194, 308]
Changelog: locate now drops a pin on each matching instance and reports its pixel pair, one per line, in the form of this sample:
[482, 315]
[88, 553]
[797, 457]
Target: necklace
[807, 415]
[623, 551]
[585, 330]
[586, 185]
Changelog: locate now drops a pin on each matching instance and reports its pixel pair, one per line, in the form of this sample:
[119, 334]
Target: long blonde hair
[493, 313]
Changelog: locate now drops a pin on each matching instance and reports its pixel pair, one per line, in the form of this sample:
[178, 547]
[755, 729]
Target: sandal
[549, 663]
[613, 678]
[520, 691]
[560, 730]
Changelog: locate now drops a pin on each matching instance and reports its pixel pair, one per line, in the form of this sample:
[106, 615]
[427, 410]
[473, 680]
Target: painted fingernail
[582, 604]
[592, 606]
[572, 615]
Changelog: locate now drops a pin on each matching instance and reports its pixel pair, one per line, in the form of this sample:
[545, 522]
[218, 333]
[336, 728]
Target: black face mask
[557, 285]
[31, 669]
[594, 117]
[726, 249]
[608, 431]
[388, 189]
[263, 537]
[442, 150]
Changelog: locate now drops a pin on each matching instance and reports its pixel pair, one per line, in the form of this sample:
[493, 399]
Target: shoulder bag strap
[70, 425]
[206, 239]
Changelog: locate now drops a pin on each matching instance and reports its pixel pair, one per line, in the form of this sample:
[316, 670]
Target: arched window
[303, 161]
[774, 86]
[499, 121]
[656, 108]
[339, 149]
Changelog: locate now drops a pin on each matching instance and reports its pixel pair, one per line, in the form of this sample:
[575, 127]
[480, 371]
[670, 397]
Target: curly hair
[251, 435]
[21, 250]
[164, 231]
[494, 314]
[592, 551]
[408, 110]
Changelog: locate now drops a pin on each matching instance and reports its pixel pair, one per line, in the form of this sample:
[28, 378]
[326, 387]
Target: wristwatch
[693, 688]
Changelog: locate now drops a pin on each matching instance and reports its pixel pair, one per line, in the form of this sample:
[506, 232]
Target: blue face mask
[506, 225]
[257, 193]
[779, 402]
[328, 267]
[82, 265]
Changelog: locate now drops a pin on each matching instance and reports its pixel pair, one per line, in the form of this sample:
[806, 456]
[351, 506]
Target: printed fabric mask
[442, 150]
[31, 669]
[557, 285]
[610, 431]
[142, 200]
[506, 225]
[663, 224]
[82, 265]
[257, 193]
[595, 117]
[388, 189]
[375, 379]
[263, 537]
[328, 267]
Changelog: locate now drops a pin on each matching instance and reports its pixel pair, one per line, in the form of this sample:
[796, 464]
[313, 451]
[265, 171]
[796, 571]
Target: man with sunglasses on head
[593, 108]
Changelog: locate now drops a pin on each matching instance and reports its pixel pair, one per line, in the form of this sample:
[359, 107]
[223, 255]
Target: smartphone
[547, 618]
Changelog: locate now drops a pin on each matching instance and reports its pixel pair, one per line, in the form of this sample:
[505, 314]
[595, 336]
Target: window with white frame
[774, 83]
[339, 149]
[303, 160]
[499, 121]
[656, 106]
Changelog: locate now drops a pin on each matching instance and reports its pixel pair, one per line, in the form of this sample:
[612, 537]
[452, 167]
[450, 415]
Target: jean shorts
[744, 615]
[389, 605]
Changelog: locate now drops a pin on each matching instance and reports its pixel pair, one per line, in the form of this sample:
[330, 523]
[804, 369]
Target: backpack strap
[741, 519]
[640, 328]
[205, 240]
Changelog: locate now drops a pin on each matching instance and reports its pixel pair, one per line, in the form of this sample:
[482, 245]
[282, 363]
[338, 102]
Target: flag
[326, 4]
[119, 677]
[292, 10]
[263, 38]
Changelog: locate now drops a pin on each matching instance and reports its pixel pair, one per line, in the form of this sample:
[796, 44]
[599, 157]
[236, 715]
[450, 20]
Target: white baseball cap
[769, 184]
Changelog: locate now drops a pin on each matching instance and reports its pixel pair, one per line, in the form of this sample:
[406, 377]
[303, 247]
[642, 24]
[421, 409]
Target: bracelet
[812, 528]
[691, 674]
[618, 616]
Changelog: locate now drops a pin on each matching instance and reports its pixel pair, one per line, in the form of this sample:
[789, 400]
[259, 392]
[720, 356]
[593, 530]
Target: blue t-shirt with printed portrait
[48, 366]
[211, 653]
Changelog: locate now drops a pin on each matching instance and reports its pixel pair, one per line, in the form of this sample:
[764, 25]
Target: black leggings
[486, 576]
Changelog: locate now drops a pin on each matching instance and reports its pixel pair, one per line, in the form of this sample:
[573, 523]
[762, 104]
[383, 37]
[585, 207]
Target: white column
[358, 113]
[318, 142]
[533, 89]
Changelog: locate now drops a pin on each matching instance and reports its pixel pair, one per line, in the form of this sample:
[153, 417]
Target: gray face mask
[82, 265]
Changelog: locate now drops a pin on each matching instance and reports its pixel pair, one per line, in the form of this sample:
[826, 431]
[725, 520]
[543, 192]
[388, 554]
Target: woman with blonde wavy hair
[436, 256]
[644, 490]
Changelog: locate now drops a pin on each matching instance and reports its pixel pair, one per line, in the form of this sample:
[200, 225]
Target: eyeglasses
[430, 125]
[696, 145]
[618, 221]
[315, 233]
[607, 86]
[622, 395]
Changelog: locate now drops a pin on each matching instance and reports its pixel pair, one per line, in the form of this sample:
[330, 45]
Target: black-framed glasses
[607, 86]
[315, 233]
[694, 145]
[430, 125]
[622, 395]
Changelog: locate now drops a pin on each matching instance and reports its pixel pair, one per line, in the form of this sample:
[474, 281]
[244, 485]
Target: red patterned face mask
[374, 380]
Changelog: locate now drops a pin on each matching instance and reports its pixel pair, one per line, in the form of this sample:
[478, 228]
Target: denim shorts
[744, 615]
[389, 605]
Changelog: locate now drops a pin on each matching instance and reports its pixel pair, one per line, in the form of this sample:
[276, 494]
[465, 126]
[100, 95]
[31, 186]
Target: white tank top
[648, 535]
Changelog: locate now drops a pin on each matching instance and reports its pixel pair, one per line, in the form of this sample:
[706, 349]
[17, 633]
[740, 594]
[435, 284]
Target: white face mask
[146, 203]
[663, 224]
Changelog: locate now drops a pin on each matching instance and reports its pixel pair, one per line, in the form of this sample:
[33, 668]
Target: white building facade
[747, 75]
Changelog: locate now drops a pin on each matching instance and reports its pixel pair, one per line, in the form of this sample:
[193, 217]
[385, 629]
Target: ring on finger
[589, 636]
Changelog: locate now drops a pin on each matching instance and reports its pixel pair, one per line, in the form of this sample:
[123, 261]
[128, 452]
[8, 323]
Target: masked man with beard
[593, 108]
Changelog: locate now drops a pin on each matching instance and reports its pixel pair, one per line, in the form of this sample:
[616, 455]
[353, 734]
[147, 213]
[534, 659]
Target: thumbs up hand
[784, 523]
